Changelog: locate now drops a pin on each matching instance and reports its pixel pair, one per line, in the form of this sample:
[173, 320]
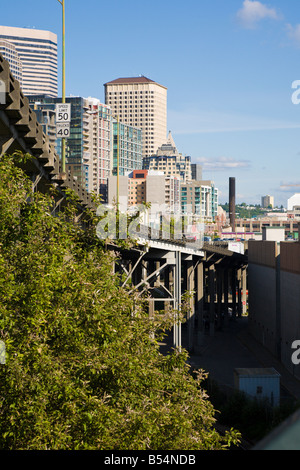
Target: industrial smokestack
[232, 203]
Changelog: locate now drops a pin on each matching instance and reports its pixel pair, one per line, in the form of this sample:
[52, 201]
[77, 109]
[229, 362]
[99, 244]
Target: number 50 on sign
[63, 112]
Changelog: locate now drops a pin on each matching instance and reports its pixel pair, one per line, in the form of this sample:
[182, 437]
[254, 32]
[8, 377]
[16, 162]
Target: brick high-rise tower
[140, 102]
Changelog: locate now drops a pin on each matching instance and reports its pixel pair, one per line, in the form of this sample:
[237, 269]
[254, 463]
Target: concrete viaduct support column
[167, 275]
[177, 300]
[226, 282]
[233, 291]
[211, 287]
[219, 276]
[244, 290]
[200, 304]
[151, 311]
[239, 292]
[191, 307]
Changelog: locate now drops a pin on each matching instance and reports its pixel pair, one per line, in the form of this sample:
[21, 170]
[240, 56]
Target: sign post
[63, 147]
[63, 118]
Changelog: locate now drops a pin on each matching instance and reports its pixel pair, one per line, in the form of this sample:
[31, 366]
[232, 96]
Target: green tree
[83, 368]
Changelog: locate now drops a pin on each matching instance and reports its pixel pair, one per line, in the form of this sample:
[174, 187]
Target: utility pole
[63, 142]
[118, 162]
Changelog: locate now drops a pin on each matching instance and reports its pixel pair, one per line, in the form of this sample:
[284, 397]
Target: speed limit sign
[63, 118]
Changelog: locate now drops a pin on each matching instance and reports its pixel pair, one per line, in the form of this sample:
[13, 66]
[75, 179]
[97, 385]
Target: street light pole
[118, 162]
[63, 143]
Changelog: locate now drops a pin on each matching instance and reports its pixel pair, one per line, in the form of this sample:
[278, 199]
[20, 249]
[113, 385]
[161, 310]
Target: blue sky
[228, 65]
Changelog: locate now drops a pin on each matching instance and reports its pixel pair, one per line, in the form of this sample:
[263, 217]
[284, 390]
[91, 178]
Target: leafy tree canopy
[83, 368]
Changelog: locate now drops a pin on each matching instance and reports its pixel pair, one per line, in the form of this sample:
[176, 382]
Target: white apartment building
[105, 148]
[142, 103]
[90, 136]
[200, 198]
[293, 201]
[9, 52]
[37, 50]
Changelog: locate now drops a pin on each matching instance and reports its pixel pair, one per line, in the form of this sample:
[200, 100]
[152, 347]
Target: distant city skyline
[228, 66]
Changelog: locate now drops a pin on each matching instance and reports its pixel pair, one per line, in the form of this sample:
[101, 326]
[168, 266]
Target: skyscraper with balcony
[141, 103]
[37, 51]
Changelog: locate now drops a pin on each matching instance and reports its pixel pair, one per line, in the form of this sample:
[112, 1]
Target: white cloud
[253, 11]
[294, 33]
[188, 122]
[222, 164]
[290, 187]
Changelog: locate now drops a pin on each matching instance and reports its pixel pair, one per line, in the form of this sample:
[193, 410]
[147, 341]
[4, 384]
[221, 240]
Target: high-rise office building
[142, 103]
[196, 171]
[37, 50]
[9, 52]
